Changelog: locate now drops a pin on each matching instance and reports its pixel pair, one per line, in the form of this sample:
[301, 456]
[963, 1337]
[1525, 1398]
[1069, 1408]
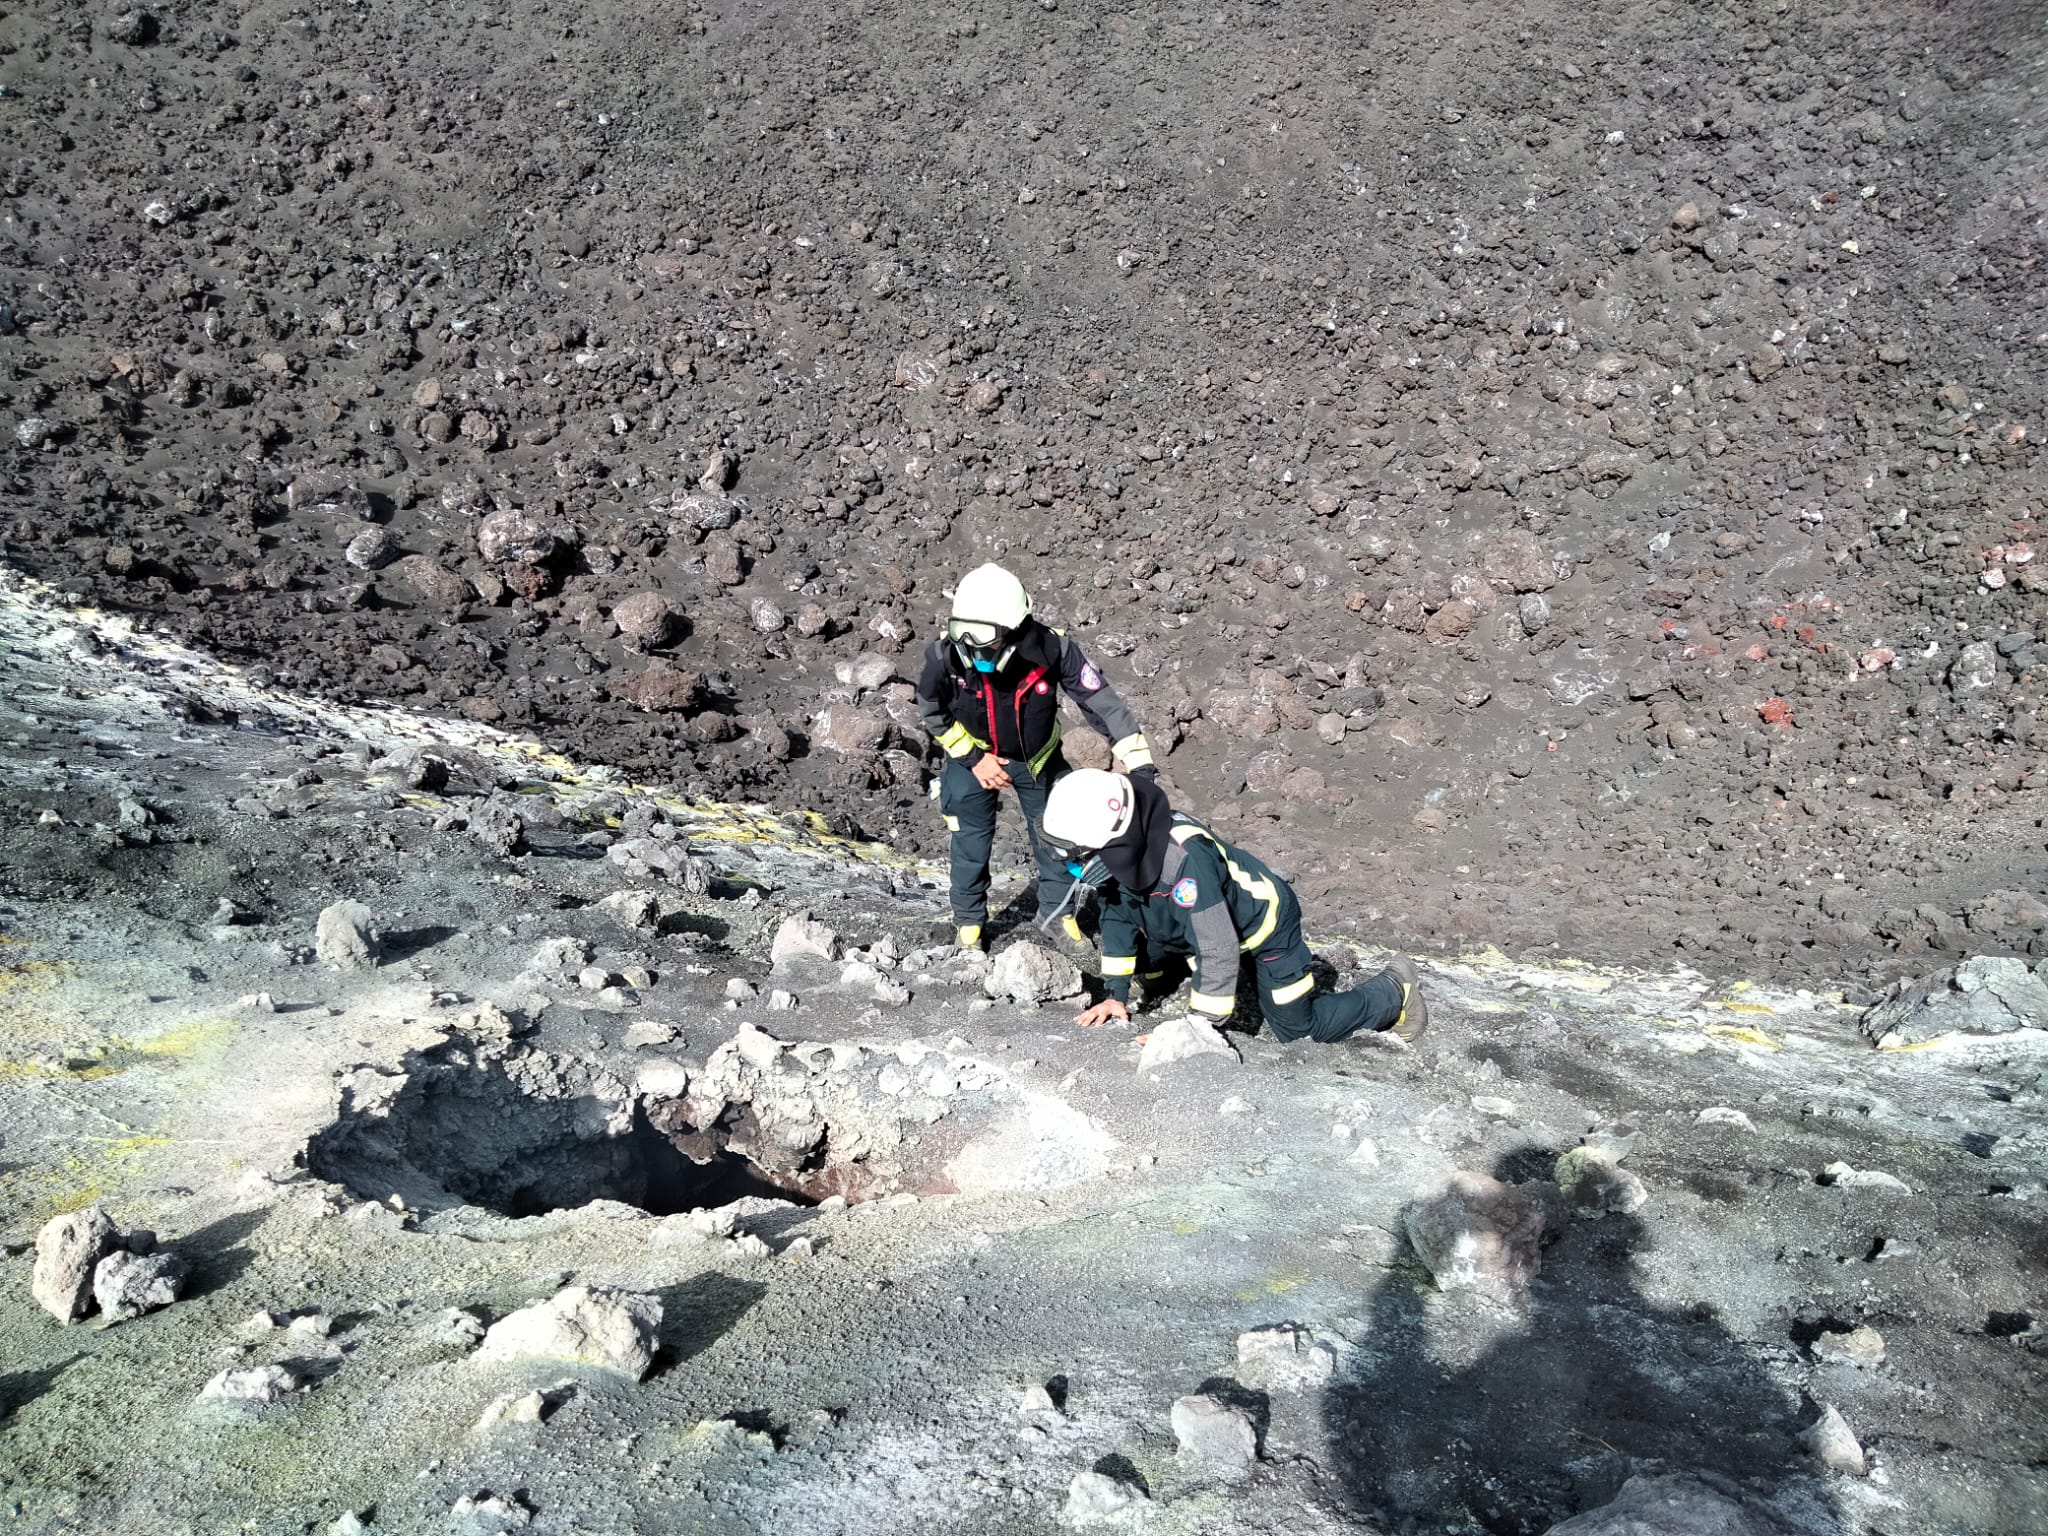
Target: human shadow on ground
[1587, 1383]
[20, 1388]
[699, 1312]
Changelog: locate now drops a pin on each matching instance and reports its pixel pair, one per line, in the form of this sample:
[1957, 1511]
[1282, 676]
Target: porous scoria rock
[849, 731]
[1477, 1234]
[600, 1326]
[1595, 1183]
[1028, 973]
[1094, 1498]
[69, 1249]
[347, 938]
[803, 937]
[1182, 1038]
[126, 1285]
[1674, 1504]
[658, 688]
[511, 535]
[1284, 1358]
[1215, 1436]
[1985, 995]
[647, 618]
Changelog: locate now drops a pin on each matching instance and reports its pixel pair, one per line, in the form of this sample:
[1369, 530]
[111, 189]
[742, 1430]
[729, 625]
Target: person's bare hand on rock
[1109, 1008]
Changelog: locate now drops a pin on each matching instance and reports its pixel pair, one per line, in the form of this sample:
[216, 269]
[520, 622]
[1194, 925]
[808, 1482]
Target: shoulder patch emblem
[1184, 891]
[1090, 678]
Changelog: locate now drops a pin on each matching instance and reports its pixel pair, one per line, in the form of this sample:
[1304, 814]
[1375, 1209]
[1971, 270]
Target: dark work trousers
[1294, 1002]
[970, 813]
[1291, 999]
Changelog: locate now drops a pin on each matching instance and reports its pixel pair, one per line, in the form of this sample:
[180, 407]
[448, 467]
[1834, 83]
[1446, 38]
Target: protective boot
[968, 936]
[1413, 1018]
[1070, 930]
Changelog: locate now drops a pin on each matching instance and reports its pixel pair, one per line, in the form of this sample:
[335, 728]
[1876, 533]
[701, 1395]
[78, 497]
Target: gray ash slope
[160, 867]
[1542, 477]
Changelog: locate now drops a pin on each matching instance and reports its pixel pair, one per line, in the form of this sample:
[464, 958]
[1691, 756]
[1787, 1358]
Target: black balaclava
[1136, 858]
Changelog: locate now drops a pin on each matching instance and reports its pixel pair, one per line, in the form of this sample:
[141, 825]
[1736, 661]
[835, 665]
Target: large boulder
[126, 1285]
[1673, 1504]
[1028, 973]
[593, 1325]
[1478, 1234]
[68, 1250]
[1984, 995]
[347, 938]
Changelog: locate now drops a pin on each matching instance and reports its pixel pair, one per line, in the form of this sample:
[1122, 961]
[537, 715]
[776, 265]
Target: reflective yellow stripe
[1260, 887]
[957, 740]
[1045, 753]
[1119, 965]
[952, 823]
[1263, 889]
[1294, 989]
[1134, 750]
[1204, 1002]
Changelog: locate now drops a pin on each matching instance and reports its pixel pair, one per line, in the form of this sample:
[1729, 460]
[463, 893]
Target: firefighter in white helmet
[1174, 891]
[989, 696]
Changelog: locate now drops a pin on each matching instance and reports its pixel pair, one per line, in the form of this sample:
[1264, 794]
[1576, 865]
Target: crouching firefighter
[989, 696]
[1171, 889]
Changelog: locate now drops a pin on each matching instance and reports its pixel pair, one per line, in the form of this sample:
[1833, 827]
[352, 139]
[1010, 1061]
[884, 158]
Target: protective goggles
[1076, 859]
[982, 646]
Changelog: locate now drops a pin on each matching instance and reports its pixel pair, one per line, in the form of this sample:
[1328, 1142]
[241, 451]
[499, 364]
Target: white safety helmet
[989, 606]
[1088, 809]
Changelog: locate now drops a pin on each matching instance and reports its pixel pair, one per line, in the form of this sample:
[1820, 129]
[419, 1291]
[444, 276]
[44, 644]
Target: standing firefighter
[1180, 891]
[989, 696]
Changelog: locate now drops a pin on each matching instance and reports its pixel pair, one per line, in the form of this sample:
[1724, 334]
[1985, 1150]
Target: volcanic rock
[128, 1284]
[347, 938]
[1478, 1234]
[801, 937]
[261, 1384]
[1672, 1504]
[1284, 1357]
[1096, 1497]
[647, 618]
[599, 1326]
[69, 1249]
[1861, 1347]
[1028, 973]
[1215, 1436]
[1595, 1184]
[1182, 1038]
[1984, 995]
[659, 688]
[508, 536]
[1834, 1444]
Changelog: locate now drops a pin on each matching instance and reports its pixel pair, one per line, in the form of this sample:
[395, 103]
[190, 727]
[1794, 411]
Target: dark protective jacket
[1014, 711]
[1211, 900]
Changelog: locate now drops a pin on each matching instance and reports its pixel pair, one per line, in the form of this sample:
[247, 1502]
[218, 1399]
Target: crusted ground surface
[1053, 1215]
